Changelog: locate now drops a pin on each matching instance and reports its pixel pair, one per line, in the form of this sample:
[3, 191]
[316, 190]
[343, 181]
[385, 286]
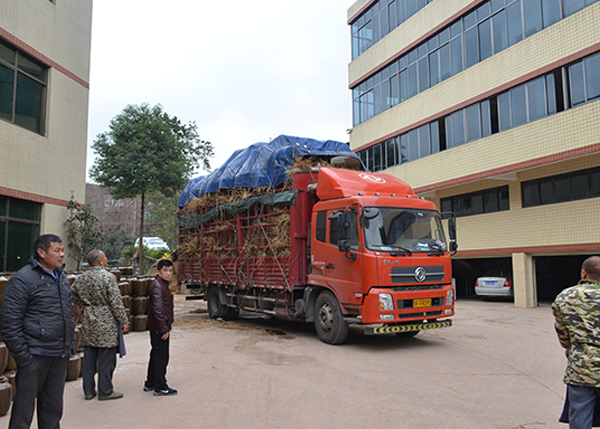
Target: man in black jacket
[37, 325]
[160, 319]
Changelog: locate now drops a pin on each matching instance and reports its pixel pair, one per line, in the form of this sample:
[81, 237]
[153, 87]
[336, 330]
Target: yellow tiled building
[491, 109]
[44, 89]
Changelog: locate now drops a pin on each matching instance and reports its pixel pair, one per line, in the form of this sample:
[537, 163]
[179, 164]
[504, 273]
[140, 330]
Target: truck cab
[378, 257]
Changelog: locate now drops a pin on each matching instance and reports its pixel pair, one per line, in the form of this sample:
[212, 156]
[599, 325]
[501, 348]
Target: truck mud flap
[395, 329]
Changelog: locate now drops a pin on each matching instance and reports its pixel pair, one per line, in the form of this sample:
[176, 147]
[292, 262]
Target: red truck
[334, 247]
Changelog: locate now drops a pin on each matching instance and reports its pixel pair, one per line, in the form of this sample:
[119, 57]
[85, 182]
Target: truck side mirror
[451, 230]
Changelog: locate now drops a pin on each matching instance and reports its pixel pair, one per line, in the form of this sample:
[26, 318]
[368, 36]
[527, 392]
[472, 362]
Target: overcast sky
[245, 71]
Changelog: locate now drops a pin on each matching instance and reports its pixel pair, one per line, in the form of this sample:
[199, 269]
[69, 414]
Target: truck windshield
[407, 230]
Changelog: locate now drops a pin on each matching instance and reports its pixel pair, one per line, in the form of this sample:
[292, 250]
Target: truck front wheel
[329, 321]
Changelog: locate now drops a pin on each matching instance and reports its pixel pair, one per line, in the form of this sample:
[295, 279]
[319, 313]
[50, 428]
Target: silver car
[493, 287]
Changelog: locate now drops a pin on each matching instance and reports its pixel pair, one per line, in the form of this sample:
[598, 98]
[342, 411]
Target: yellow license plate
[422, 303]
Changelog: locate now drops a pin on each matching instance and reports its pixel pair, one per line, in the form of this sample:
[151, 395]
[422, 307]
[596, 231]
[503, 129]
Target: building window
[481, 33]
[528, 102]
[19, 226]
[572, 186]
[486, 201]
[22, 89]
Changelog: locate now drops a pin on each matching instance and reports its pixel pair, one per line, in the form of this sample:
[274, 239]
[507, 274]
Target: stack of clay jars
[75, 367]
[135, 300]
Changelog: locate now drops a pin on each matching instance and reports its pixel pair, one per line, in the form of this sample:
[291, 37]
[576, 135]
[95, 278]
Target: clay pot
[3, 357]
[5, 395]
[74, 367]
[126, 301]
[11, 377]
[128, 311]
[116, 273]
[11, 364]
[125, 288]
[140, 287]
[140, 322]
[140, 305]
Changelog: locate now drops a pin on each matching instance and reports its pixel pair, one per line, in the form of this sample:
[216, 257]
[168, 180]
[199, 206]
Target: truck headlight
[385, 302]
[450, 296]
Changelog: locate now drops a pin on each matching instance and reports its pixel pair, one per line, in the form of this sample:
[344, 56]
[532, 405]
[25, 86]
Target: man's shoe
[114, 395]
[165, 392]
[90, 396]
[148, 389]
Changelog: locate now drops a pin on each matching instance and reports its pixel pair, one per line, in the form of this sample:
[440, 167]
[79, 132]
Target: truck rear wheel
[329, 321]
[215, 308]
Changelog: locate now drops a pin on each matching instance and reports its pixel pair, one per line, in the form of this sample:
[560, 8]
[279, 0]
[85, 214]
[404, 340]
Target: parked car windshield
[393, 229]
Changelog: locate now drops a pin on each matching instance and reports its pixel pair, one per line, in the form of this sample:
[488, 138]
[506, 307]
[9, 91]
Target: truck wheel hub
[326, 317]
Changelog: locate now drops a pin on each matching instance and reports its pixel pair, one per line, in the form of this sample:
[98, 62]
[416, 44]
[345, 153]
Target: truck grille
[427, 314]
[409, 274]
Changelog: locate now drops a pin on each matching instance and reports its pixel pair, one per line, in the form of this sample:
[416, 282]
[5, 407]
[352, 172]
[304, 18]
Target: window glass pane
[500, 32]
[395, 92]
[448, 131]
[515, 25]
[413, 148]
[485, 118]
[434, 68]
[537, 99]
[546, 191]
[445, 62]
[580, 185]
[572, 6]
[469, 20]
[444, 35]
[423, 74]
[466, 207]
[412, 81]
[22, 209]
[531, 194]
[483, 11]
[446, 204]
[391, 151]
[477, 203]
[456, 206]
[592, 76]
[473, 122]
[491, 201]
[376, 157]
[3, 212]
[456, 55]
[333, 231]
[410, 8]
[7, 83]
[550, 94]
[433, 43]
[424, 141]
[404, 85]
[19, 245]
[458, 128]
[595, 182]
[485, 40]
[503, 201]
[435, 137]
[7, 54]
[532, 11]
[321, 224]
[576, 84]
[504, 112]
[377, 100]
[455, 29]
[404, 148]
[518, 105]
[28, 107]
[471, 47]
[32, 67]
[562, 188]
[497, 5]
[550, 12]
[393, 23]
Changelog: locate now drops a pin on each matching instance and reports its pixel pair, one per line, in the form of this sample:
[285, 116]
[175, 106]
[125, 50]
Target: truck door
[343, 270]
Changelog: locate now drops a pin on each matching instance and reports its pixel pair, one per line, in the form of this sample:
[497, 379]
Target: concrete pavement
[497, 367]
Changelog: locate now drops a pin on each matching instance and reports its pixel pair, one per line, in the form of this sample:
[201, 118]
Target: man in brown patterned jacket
[97, 292]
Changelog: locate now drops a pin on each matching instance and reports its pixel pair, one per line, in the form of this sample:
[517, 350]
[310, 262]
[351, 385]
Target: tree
[163, 217]
[146, 150]
[84, 231]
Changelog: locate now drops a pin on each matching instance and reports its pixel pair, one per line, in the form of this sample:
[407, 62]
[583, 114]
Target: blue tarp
[262, 164]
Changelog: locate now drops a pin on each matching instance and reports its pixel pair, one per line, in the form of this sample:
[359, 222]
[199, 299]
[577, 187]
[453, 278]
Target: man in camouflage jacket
[577, 323]
[97, 292]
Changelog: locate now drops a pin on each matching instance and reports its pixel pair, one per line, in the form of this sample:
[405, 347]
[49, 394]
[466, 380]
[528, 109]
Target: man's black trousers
[44, 379]
[159, 359]
[106, 360]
